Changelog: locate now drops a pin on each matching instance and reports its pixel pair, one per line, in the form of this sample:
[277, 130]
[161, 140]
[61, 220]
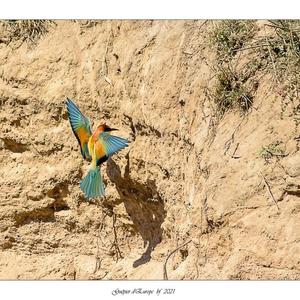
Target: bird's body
[96, 147]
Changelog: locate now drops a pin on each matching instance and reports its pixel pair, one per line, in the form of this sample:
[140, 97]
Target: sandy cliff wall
[187, 177]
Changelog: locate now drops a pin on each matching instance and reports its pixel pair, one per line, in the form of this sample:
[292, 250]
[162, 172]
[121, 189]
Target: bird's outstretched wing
[80, 126]
[111, 143]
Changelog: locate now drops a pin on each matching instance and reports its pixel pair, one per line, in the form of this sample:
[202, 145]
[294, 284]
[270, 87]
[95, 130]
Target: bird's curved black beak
[113, 129]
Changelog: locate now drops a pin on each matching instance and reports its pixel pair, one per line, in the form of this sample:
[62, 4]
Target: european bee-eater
[96, 147]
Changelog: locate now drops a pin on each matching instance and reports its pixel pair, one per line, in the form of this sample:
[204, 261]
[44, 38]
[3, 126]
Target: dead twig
[203, 24]
[228, 143]
[187, 52]
[274, 26]
[98, 259]
[165, 264]
[149, 43]
[270, 192]
[115, 243]
[98, 264]
[233, 154]
[250, 47]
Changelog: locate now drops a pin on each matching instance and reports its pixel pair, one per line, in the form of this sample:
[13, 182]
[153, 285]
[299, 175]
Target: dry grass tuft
[26, 30]
[233, 89]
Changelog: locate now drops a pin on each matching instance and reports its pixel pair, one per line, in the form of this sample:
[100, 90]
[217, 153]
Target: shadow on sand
[143, 204]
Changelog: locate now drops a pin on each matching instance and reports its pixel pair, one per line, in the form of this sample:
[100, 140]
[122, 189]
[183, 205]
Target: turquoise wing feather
[81, 127]
[112, 144]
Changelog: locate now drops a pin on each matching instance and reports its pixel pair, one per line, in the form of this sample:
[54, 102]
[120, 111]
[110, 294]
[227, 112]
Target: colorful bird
[96, 147]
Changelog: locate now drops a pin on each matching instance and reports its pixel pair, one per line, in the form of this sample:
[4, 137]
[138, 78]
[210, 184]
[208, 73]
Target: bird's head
[104, 127]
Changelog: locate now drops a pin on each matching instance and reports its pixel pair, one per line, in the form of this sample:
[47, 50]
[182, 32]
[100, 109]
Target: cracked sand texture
[176, 182]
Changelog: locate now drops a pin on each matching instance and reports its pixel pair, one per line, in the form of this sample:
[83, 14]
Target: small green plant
[26, 30]
[274, 149]
[230, 35]
[231, 92]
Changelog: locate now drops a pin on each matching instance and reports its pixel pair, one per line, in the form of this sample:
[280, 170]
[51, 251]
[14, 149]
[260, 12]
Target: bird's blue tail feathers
[92, 184]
